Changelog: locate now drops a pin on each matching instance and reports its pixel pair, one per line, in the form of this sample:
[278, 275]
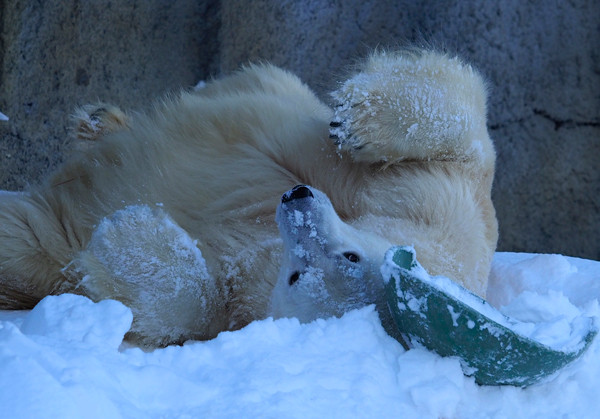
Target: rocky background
[541, 58]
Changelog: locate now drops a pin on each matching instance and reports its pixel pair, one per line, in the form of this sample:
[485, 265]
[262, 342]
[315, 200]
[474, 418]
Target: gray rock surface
[541, 60]
[59, 54]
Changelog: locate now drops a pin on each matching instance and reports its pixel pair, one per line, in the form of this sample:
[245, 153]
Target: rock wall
[541, 60]
[59, 54]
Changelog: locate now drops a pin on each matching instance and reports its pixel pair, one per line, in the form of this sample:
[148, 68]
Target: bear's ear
[91, 122]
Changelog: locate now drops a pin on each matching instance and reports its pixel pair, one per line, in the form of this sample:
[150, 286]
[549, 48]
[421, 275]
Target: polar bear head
[329, 266]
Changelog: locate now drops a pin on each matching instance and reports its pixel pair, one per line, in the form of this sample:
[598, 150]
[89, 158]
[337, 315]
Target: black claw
[352, 105]
[335, 124]
[334, 137]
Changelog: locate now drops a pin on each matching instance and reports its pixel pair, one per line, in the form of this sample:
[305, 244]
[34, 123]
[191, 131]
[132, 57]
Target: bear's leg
[142, 258]
[34, 246]
[412, 106]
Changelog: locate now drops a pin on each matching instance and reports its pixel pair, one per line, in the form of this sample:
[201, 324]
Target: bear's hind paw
[91, 122]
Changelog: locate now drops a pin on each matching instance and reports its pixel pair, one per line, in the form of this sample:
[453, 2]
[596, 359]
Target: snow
[3, 117]
[64, 359]
[200, 85]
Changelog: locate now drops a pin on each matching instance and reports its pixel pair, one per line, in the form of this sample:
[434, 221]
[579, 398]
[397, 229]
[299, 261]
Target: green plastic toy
[443, 322]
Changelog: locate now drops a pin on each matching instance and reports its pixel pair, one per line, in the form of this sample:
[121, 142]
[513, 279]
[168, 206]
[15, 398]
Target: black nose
[297, 192]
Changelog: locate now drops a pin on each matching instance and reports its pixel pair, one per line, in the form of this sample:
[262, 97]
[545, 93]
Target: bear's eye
[294, 277]
[352, 257]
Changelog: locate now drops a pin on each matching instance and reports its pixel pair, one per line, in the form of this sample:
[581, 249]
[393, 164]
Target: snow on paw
[141, 257]
[416, 105]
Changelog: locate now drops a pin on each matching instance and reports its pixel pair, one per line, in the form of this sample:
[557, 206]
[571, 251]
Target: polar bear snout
[297, 192]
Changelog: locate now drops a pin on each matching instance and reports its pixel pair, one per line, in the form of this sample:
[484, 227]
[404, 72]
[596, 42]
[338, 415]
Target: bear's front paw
[419, 106]
[142, 258]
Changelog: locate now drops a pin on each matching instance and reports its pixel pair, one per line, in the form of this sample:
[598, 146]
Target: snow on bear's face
[329, 267]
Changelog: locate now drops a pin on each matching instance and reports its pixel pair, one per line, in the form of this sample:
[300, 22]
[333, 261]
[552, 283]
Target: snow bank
[62, 360]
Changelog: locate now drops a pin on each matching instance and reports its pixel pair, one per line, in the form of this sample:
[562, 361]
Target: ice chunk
[76, 318]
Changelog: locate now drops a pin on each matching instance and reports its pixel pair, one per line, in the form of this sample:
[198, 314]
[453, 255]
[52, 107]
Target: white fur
[412, 164]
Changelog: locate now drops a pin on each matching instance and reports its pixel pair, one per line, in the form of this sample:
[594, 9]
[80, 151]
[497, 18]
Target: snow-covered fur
[173, 212]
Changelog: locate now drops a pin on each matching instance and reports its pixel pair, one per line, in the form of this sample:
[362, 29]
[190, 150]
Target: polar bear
[182, 213]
